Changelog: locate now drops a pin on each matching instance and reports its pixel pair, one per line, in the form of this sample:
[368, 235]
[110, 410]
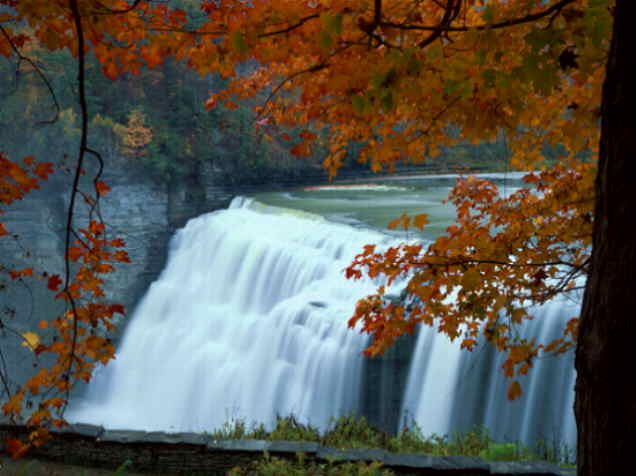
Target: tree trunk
[605, 404]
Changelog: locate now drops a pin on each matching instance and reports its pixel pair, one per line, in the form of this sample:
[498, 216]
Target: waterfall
[450, 390]
[248, 320]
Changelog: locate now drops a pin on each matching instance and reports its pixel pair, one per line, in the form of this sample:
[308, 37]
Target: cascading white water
[452, 390]
[248, 320]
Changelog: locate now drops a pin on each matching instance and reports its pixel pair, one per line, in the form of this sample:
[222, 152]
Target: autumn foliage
[406, 79]
[403, 79]
[76, 344]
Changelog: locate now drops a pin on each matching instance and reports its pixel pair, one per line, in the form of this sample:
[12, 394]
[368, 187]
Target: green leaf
[451, 86]
[238, 43]
[489, 75]
[598, 21]
[489, 14]
[539, 38]
[387, 100]
[359, 103]
[325, 41]
[378, 79]
[481, 57]
[332, 23]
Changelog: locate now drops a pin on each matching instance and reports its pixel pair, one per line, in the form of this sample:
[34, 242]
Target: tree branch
[39, 72]
[442, 27]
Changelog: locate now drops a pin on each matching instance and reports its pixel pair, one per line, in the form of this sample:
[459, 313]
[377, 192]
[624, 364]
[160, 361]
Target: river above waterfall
[374, 202]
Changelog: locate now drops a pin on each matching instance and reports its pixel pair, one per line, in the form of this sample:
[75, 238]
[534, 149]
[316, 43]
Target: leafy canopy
[400, 78]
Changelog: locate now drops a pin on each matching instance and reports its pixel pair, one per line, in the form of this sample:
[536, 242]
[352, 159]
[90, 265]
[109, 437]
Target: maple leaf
[75, 253]
[514, 390]
[16, 448]
[15, 274]
[31, 339]
[301, 150]
[101, 188]
[54, 282]
[117, 243]
[420, 221]
[117, 308]
[121, 256]
[43, 170]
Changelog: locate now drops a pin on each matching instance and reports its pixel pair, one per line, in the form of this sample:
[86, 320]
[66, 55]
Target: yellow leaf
[31, 339]
[420, 221]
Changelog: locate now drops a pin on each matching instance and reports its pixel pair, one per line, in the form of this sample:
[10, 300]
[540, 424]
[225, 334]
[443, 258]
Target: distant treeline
[155, 123]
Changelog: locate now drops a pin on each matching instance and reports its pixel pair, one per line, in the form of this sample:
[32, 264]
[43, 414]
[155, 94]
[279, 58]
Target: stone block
[306, 447]
[334, 454]
[122, 436]
[437, 465]
[525, 468]
[238, 445]
[82, 429]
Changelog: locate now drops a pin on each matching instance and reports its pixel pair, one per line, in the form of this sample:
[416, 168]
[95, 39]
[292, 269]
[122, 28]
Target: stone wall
[188, 453]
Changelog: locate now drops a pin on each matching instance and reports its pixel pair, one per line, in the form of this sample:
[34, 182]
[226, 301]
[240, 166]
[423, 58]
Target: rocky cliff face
[141, 212]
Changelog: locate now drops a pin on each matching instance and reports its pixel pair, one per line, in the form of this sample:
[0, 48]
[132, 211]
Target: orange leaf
[75, 253]
[121, 256]
[43, 170]
[117, 243]
[301, 150]
[110, 70]
[101, 188]
[16, 448]
[420, 221]
[514, 391]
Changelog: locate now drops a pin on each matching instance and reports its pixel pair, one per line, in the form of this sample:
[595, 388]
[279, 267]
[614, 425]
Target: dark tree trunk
[605, 405]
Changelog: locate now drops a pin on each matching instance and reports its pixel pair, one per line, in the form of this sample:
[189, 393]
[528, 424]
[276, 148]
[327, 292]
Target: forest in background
[156, 123]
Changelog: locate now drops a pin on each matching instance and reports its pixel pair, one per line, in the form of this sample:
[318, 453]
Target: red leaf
[301, 150]
[118, 308]
[54, 282]
[15, 448]
[308, 135]
[43, 170]
[101, 188]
